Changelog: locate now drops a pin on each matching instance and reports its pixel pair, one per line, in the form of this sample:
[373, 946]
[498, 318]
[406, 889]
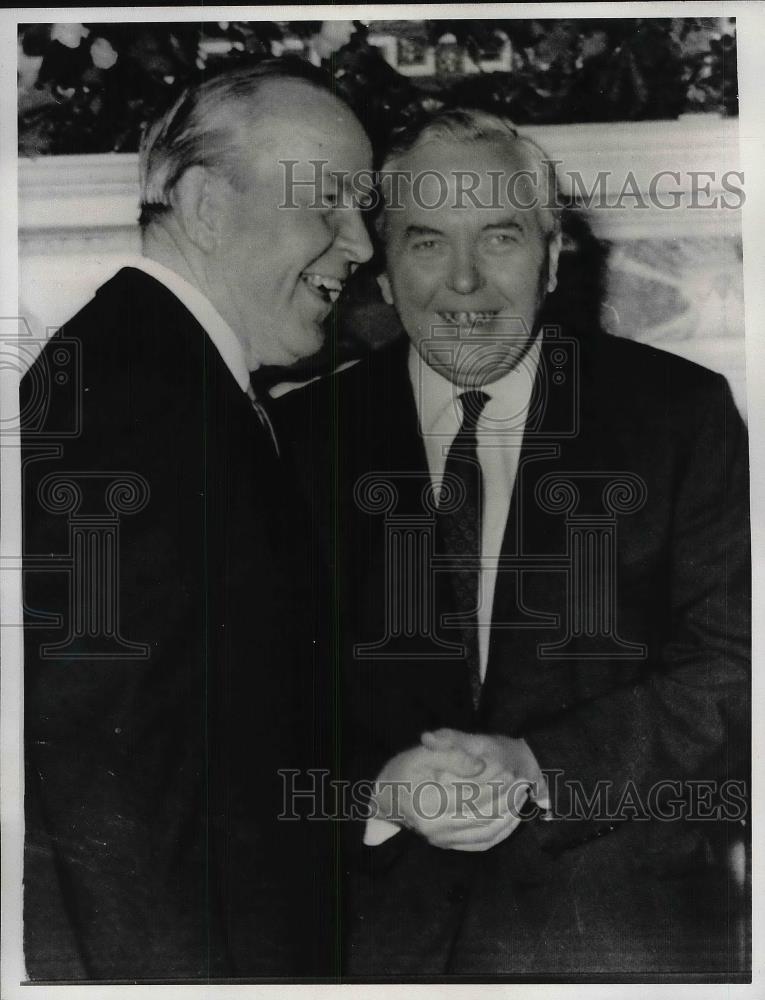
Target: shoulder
[136, 312]
[630, 359]
[353, 383]
[344, 416]
[635, 380]
[125, 353]
[133, 322]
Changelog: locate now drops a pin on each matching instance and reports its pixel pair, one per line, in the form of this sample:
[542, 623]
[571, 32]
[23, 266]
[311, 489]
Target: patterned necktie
[259, 398]
[459, 523]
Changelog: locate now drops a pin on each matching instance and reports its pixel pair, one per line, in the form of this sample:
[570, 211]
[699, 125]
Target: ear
[200, 208]
[553, 253]
[384, 282]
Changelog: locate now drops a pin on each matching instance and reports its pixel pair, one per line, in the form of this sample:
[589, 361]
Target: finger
[438, 818]
[488, 795]
[444, 738]
[445, 733]
[441, 739]
[479, 840]
[477, 846]
[456, 828]
[501, 791]
[457, 762]
[440, 831]
[436, 808]
[466, 816]
[482, 831]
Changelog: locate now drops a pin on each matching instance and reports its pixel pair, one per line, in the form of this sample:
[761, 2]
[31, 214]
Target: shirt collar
[437, 398]
[217, 329]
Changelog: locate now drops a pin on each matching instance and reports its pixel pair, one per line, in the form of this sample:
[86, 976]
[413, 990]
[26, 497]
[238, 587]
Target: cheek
[285, 244]
[523, 282]
[307, 234]
[412, 289]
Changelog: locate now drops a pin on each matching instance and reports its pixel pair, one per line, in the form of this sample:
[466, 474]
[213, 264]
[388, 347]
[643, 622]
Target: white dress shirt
[499, 435]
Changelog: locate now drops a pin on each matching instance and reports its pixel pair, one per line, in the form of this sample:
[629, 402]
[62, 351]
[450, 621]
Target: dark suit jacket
[637, 460]
[154, 731]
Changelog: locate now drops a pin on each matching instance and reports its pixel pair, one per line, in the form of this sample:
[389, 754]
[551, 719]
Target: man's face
[467, 276]
[277, 271]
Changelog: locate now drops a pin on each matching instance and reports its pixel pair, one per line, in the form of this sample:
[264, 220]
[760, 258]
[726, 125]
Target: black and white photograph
[376, 489]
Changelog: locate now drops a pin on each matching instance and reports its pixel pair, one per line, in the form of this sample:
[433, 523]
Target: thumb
[447, 739]
[441, 739]
[458, 762]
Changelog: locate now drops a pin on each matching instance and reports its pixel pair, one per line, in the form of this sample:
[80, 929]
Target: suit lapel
[564, 437]
[398, 447]
[404, 649]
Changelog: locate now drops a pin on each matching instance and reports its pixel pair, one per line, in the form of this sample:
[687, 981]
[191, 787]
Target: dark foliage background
[90, 88]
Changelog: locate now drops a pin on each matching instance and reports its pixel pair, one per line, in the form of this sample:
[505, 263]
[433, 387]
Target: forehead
[293, 120]
[454, 182]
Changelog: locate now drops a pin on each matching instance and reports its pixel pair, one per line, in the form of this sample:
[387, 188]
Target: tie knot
[473, 403]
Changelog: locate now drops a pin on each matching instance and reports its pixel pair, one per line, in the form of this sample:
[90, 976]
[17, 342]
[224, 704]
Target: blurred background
[89, 88]
[629, 95]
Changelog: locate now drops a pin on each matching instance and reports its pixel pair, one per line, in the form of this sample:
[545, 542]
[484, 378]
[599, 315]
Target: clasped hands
[460, 791]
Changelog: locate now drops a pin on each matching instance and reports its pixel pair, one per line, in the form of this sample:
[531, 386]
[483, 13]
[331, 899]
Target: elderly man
[170, 645]
[542, 548]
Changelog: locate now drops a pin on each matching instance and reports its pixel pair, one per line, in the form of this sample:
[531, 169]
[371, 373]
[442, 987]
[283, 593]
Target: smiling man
[172, 672]
[470, 265]
[542, 552]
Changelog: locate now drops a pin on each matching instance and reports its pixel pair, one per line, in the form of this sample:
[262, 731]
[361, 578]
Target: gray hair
[205, 125]
[470, 125]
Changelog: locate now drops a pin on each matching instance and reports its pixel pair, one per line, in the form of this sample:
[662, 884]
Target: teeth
[465, 318]
[332, 286]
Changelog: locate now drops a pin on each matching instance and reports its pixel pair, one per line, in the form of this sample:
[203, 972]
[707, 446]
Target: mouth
[325, 286]
[472, 318]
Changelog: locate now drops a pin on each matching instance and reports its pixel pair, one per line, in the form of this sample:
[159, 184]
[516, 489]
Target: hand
[504, 756]
[441, 794]
[416, 788]
[512, 773]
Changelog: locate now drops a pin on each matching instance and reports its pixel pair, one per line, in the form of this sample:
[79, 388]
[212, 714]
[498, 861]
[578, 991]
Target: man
[541, 544]
[170, 646]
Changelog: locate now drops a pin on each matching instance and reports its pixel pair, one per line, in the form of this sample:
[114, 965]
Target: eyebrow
[508, 223]
[511, 220]
[414, 230]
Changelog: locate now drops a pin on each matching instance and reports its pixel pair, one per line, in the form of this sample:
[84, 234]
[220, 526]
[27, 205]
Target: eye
[425, 245]
[505, 237]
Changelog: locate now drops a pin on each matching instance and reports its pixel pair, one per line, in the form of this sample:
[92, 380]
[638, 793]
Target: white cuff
[378, 831]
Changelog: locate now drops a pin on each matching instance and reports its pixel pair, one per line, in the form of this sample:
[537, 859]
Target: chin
[480, 365]
[304, 345]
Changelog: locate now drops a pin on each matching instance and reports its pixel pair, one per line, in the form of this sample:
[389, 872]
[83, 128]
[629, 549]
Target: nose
[464, 274]
[353, 238]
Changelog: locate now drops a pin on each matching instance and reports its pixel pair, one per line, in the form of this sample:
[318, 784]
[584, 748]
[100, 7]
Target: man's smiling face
[468, 276]
[278, 270]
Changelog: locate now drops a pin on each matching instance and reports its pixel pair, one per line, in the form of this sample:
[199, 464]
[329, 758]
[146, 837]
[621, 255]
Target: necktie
[459, 523]
[259, 398]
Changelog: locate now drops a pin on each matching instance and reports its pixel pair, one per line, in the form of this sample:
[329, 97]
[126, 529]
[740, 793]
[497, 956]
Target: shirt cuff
[378, 831]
